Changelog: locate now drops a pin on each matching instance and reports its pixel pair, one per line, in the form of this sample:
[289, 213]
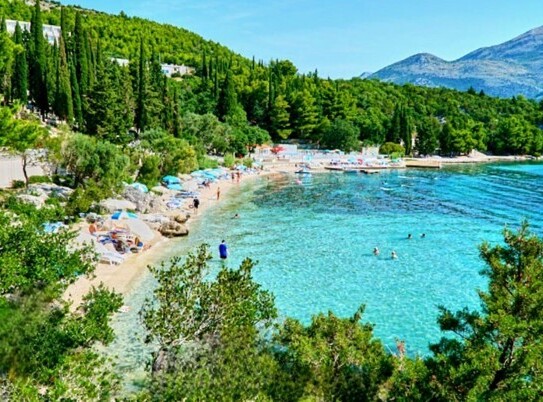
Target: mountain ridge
[511, 68]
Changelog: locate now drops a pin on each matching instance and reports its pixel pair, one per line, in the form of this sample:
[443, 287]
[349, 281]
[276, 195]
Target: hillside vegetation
[248, 98]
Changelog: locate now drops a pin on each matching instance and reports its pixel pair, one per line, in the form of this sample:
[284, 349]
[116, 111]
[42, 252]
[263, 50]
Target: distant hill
[512, 68]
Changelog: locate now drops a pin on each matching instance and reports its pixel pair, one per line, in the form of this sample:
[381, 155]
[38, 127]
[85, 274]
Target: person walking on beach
[196, 203]
[223, 250]
[218, 193]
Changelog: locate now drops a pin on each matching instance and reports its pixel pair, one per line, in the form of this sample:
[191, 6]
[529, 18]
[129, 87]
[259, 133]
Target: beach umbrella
[171, 180]
[141, 187]
[174, 186]
[139, 228]
[117, 215]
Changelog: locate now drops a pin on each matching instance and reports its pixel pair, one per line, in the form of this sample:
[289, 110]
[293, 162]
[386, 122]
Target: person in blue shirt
[223, 250]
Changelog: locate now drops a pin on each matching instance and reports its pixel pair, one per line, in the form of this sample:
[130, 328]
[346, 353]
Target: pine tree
[304, 117]
[280, 118]
[63, 97]
[38, 62]
[19, 78]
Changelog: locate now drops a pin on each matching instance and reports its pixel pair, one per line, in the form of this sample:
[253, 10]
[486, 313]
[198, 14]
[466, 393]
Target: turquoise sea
[314, 244]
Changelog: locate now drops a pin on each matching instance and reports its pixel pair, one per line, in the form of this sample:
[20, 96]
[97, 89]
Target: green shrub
[389, 148]
[229, 160]
[15, 184]
[39, 179]
[248, 162]
[207, 163]
[85, 199]
[149, 173]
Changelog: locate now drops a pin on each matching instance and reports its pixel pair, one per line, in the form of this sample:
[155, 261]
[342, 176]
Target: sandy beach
[124, 277]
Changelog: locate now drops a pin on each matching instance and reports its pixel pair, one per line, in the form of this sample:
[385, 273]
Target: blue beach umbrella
[174, 186]
[123, 215]
[171, 180]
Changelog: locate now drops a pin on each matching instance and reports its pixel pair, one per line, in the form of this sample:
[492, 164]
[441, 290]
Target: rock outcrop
[173, 229]
[144, 202]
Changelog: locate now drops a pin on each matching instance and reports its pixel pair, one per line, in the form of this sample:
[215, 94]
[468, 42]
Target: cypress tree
[406, 131]
[76, 97]
[81, 58]
[93, 59]
[6, 58]
[394, 133]
[227, 97]
[141, 112]
[204, 67]
[38, 62]
[63, 97]
[176, 114]
[64, 28]
[19, 78]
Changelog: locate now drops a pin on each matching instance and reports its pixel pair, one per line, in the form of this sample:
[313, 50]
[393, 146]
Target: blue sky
[341, 38]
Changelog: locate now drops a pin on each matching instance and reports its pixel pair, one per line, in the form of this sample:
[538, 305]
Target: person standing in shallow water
[223, 250]
[196, 204]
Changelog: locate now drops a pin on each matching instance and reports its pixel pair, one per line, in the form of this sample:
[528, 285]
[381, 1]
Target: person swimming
[409, 236]
[422, 236]
[393, 255]
[376, 251]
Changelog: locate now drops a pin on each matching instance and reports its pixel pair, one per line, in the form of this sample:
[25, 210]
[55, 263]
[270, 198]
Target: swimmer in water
[393, 255]
[409, 236]
[422, 236]
[376, 251]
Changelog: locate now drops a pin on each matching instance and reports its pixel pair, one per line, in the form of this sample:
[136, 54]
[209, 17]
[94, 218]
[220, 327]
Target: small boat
[303, 171]
[350, 171]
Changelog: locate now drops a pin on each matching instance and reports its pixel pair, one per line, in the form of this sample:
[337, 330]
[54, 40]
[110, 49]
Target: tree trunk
[25, 163]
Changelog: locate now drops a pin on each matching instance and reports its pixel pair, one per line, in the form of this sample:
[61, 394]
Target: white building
[171, 69]
[51, 32]
[167, 69]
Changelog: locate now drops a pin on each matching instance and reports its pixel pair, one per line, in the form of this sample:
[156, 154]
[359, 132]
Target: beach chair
[111, 258]
[107, 256]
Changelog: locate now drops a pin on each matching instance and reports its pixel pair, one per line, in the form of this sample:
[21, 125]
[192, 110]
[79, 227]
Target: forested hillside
[76, 79]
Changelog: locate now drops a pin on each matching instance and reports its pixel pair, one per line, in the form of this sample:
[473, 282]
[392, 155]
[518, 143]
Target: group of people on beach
[393, 254]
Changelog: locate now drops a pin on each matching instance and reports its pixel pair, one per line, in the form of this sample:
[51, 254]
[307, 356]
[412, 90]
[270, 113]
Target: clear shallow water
[314, 243]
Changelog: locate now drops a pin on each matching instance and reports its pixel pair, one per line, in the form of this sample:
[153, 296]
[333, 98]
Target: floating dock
[422, 163]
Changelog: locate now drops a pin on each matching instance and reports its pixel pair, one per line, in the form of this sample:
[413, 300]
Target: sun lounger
[107, 256]
[111, 257]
